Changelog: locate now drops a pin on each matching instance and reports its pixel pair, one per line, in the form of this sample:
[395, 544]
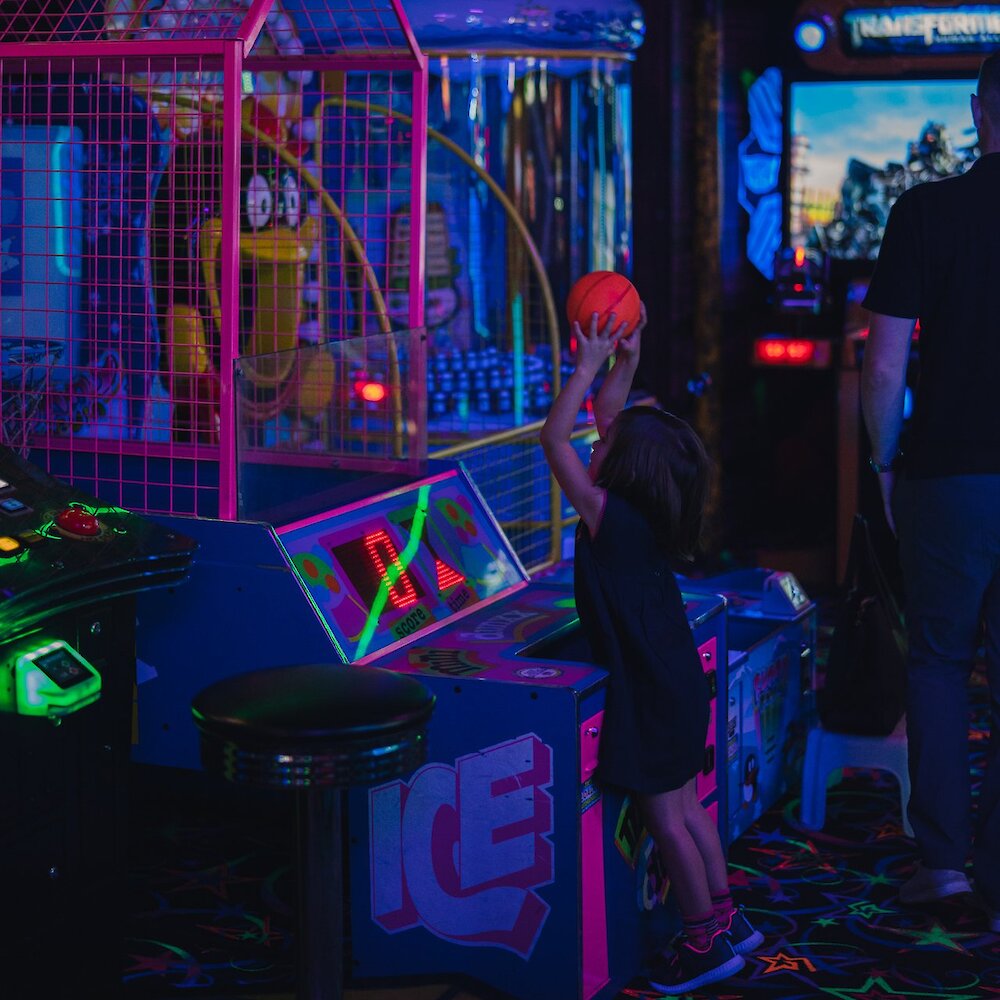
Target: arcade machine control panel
[70, 567]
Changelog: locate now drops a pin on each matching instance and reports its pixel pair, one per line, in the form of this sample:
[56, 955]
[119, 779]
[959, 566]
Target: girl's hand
[597, 345]
[628, 347]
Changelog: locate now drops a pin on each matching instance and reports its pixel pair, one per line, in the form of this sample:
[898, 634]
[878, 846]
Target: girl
[640, 505]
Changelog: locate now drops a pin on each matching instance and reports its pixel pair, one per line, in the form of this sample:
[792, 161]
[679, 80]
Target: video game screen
[408, 561]
[856, 145]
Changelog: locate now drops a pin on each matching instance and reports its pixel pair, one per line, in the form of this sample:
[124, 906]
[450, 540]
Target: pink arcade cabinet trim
[325, 515]
[594, 943]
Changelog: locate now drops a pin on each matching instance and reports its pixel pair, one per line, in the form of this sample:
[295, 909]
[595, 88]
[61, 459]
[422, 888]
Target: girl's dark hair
[659, 464]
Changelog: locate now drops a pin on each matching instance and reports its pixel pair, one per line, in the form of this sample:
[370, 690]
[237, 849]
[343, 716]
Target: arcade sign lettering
[461, 851]
[897, 30]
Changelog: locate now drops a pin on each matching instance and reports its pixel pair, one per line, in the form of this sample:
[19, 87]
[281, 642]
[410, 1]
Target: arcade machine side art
[770, 688]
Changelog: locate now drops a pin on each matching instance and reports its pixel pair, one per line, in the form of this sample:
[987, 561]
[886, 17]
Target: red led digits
[401, 593]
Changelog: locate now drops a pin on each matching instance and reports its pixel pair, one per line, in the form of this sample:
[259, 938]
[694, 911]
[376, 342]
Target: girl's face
[597, 452]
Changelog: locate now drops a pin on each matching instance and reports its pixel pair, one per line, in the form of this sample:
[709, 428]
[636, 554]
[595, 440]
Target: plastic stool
[316, 729]
[828, 751]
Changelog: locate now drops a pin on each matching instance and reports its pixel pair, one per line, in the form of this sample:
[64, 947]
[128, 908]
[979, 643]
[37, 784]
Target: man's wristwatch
[884, 466]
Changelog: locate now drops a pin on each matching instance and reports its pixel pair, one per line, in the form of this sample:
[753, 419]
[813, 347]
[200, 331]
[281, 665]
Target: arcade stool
[317, 729]
[828, 751]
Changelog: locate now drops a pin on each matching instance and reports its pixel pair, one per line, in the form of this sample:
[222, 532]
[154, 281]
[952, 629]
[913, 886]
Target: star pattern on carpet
[936, 936]
[217, 879]
[866, 909]
[781, 962]
[878, 989]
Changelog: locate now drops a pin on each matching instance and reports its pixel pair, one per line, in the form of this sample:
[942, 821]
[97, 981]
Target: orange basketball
[603, 292]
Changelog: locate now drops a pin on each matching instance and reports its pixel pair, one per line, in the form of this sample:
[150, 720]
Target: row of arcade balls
[484, 380]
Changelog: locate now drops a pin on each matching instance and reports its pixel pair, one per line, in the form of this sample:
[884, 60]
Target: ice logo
[462, 850]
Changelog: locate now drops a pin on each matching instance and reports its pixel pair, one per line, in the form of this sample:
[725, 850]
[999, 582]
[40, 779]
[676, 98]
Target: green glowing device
[52, 681]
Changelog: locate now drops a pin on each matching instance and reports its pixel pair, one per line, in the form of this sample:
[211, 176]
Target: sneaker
[742, 935]
[928, 885]
[688, 968]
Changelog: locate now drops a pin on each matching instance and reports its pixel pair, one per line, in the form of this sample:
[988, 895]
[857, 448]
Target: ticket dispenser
[500, 859]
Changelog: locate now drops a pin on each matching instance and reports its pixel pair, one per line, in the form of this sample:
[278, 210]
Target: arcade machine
[878, 101]
[770, 690]
[70, 569]
[500, 859]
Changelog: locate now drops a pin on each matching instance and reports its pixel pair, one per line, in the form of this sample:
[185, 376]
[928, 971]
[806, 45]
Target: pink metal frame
[39, 46]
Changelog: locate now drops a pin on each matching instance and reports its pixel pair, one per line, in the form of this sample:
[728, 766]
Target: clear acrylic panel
[311, 418]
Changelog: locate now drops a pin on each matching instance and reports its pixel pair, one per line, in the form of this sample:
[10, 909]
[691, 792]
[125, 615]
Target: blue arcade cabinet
[770, 692]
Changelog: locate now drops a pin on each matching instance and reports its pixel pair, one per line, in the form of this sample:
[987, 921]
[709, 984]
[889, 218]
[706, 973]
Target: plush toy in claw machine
[441, 269]
[278, 240]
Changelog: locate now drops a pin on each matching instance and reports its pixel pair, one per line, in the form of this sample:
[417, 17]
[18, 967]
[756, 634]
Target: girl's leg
[705, 835]
[666, 815]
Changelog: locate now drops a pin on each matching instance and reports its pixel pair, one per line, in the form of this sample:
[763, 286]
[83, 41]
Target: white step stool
[827, 752]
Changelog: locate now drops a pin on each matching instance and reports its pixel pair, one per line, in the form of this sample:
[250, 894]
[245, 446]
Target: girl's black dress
[631, 610]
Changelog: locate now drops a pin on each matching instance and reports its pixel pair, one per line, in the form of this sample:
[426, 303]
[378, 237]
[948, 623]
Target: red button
[76, 521]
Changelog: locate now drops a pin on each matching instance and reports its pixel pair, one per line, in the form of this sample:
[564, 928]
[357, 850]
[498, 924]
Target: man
[940, 263]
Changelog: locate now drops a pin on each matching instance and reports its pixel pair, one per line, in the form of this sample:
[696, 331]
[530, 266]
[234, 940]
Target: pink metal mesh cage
[200, 201]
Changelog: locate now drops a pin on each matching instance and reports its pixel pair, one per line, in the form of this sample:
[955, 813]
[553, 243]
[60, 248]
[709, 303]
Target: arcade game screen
[408, 561]
[856, 145]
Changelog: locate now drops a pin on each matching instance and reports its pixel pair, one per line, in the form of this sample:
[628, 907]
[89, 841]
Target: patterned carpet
[211, 914]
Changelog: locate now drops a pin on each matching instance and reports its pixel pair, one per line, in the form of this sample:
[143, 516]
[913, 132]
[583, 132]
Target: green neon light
[392, 573]
[517, 325]
[63, 261]
[38, 694]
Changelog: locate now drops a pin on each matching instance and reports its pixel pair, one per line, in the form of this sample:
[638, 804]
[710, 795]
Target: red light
[771, 351]
[401, 593]
[798, 286]
[370, 392]
[447, 576]
[800, 256]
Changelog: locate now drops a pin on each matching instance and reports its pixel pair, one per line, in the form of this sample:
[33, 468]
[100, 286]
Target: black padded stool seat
[313, 724]
[316, 729]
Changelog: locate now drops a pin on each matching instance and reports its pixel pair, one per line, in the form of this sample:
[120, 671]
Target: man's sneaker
[688, 968]
[928, 885]
[742, 935]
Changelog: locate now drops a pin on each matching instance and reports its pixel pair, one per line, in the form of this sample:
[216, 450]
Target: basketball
[603, 292]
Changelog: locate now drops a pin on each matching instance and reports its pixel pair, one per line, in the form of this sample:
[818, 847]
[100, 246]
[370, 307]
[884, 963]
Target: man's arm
[883, 387]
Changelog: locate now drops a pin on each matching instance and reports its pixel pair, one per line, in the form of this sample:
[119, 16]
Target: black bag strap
[864, 572]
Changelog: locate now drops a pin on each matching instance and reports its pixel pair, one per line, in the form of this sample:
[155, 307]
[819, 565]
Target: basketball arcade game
[499, 859]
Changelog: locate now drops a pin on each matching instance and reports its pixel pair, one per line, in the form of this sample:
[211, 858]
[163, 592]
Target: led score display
[382, 571]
